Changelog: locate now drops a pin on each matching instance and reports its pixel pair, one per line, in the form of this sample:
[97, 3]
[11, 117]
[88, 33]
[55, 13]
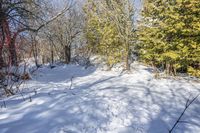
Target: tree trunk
[2, 41]
[35, 51]
[10, 40]
[127, 55]
[167, 71]
[127, 61]
[67, 54]
[13, 53]
[52, 57]
[1, 57]
[43, 59]
[127, 41]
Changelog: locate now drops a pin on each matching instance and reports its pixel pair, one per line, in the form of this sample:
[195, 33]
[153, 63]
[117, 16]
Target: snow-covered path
[100, 102]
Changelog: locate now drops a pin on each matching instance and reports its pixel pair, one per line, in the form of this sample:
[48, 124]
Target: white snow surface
[100, 102]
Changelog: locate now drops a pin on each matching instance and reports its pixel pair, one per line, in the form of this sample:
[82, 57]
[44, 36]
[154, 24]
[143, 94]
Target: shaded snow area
[99, 101]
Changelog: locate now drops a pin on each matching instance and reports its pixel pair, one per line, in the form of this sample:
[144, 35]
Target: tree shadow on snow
[103, 106]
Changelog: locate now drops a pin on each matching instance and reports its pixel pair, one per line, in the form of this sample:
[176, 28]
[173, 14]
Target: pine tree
[169, 35]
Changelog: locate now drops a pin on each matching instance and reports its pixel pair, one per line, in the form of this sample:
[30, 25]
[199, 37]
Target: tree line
[165, 34]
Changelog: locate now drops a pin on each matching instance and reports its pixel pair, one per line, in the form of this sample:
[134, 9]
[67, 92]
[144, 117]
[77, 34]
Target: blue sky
[138, 3]
[60, 2]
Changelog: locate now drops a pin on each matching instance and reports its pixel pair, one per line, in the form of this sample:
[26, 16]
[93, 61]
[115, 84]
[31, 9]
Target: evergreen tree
[169, 35]
[109, 29]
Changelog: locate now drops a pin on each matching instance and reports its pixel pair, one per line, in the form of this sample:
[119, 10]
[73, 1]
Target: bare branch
[188, 103]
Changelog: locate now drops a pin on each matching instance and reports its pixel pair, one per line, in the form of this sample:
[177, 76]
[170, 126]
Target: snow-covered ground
[100, 102]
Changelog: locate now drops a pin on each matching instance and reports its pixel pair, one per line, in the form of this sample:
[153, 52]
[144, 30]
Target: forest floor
[71, 99]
